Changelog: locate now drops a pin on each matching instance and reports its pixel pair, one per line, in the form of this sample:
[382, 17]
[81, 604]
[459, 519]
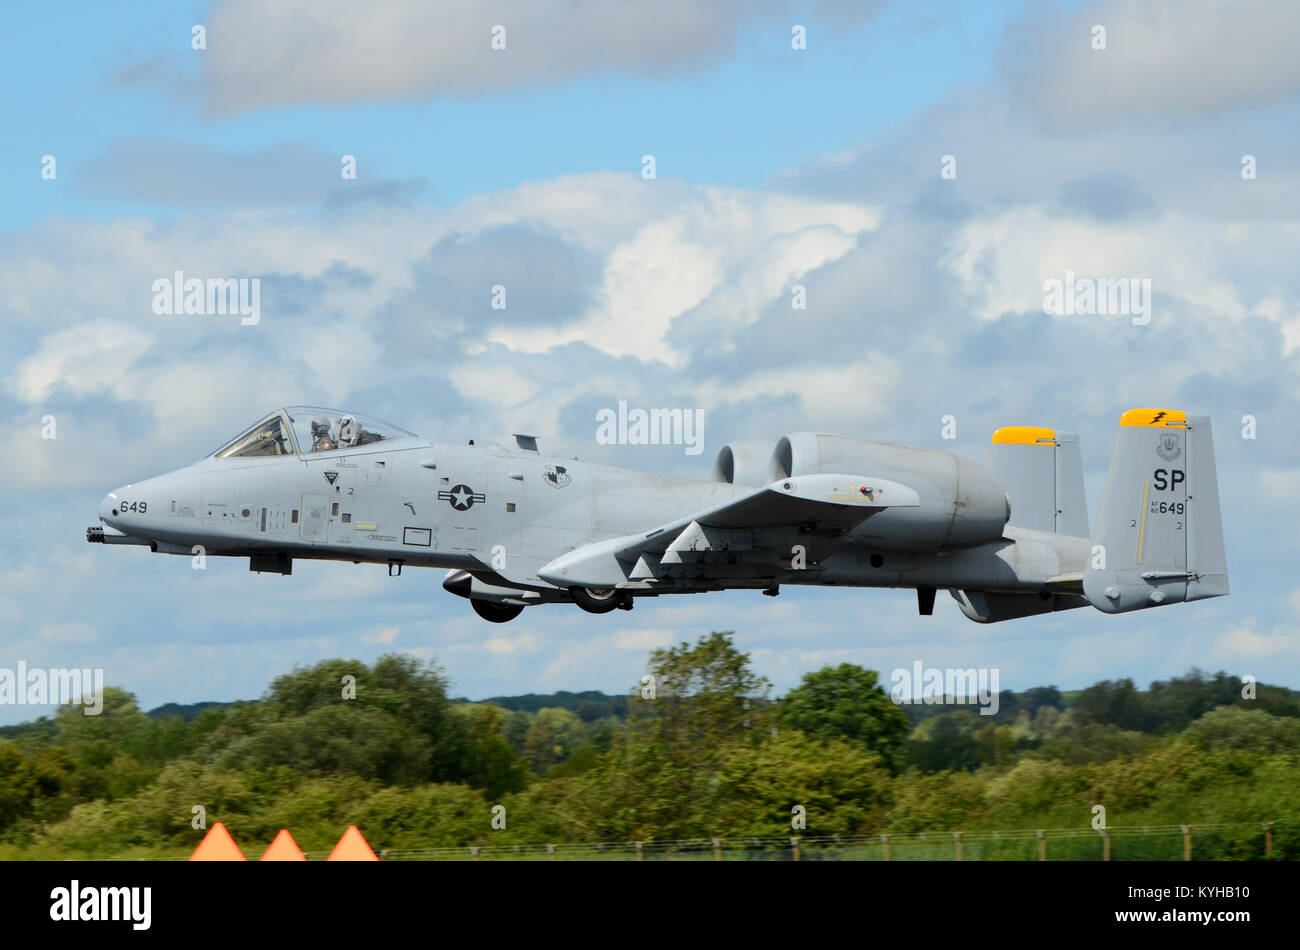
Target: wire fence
[1211, 841]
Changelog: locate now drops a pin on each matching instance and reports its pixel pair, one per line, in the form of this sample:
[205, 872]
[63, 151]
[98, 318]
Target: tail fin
[1042, 470]
[1159, 537]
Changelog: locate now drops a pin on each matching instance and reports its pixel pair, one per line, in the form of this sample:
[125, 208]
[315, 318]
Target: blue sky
[737, 120]
[774, 167]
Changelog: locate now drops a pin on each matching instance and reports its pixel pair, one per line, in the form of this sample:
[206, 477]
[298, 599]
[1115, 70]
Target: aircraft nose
[108, 510]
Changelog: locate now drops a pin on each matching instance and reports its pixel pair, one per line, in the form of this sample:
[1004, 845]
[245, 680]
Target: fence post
[1105, 845]
[717, 849]
[1187, 842]
[957, 837]
[885, 840]
[1268, 839]
[473, 853]
[550, 849]
[640, 855]
[795, 843]
[1042, 845]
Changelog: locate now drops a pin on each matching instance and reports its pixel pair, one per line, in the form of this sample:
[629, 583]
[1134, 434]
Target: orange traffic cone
[284, 848]
[217, 845]
[352, 847]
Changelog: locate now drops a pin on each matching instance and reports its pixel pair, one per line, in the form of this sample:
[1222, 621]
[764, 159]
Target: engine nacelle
[961, 502]
[743, 463]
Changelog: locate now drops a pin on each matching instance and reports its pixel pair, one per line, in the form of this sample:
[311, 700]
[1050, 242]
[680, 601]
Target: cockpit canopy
[307, 430]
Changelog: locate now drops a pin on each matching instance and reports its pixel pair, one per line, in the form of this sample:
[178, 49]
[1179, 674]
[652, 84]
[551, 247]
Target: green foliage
[552, 737]
[186, 712]
[432, 816]
[846, 702]
[705, 697]
[36, 783]
[399, 687]
[944, 800]
[1250, 729]
[1093, 742]
[1035, 788]
[584, 757]
[1032, 700]
[842, 788]
[340, 738]
[515, 729]
[43, 729]
[945, 742]
[489, 762]
[708, 755]
[1117, 704]
[588, 705]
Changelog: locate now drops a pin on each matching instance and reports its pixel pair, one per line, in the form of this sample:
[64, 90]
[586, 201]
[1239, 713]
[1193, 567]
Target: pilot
[320, 435]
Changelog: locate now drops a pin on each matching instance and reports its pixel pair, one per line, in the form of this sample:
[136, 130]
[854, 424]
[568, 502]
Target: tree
[306, 688]
[553, 735]
[949, 745]
[1177, 702]
[1117, 703]
[1032, 700]
[416, 693]
[840, 787]
[705, 697]
[515, 730]
[996, 744]
[34, 783]
[1252, 729]
[337, 739]
[490, 763]
[119, 717]
[399, 686]
[1079, 744]
[846, 702]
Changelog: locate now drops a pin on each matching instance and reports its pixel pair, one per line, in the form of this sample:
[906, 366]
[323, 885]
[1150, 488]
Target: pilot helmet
[320, 426]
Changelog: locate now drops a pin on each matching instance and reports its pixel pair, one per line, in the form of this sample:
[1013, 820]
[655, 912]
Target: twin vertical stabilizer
[1159, 536]
[1042, 470]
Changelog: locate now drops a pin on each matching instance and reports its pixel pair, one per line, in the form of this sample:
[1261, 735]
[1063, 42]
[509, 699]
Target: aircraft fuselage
[515, 527]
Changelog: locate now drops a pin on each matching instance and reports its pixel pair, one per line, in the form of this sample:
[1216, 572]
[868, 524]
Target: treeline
[1105, 721]
[588, 705]
[1166, 706]
[703, 751]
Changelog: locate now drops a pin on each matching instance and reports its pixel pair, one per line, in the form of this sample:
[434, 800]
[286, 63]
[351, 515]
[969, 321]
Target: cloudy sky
[523, 167]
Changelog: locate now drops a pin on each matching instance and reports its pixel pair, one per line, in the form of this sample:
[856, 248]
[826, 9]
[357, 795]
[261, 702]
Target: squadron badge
[557, 476]
[1169, 446]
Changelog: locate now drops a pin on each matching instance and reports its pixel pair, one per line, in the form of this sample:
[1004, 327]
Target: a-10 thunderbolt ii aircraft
[517, 528]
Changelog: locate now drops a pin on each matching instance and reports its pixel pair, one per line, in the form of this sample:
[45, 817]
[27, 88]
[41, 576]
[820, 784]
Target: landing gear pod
[495, 613]
[597, 600]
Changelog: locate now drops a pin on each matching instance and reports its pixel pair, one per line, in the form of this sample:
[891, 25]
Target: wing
[760, 522]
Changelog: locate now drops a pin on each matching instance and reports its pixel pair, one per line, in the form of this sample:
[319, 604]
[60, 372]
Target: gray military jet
[516, 528]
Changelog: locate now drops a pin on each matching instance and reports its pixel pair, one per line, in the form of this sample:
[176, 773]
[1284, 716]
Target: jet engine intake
[743, 463]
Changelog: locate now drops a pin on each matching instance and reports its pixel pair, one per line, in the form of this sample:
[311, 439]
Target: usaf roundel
[462, 497]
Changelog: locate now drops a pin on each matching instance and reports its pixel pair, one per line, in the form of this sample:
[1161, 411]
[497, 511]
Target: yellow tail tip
[1154, 418]
[1024, 435]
